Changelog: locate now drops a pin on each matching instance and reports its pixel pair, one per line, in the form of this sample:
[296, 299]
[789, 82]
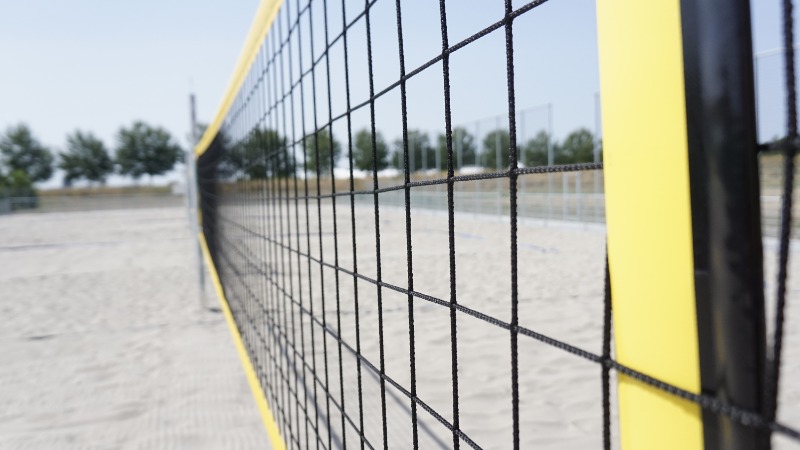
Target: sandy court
[106, 347]
[560, 296]
[103, 344]
[560, 292]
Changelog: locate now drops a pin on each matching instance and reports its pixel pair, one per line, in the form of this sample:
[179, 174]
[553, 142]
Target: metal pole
[521, 138]
[497, 144]
[479, 158]
[188, 161]
[424, 154]
[564, 192]
[755, 85]
[549, 161]
[438, 157]
[192, 197]
[715, 229]
[411, 153]
[578, 196]
[597, 118]
[460, 150]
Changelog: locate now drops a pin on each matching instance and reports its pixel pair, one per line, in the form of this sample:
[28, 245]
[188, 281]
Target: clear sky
[98, 65]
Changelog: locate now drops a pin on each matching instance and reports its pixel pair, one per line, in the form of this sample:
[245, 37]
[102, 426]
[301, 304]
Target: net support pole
[192, 198]
[684, 238]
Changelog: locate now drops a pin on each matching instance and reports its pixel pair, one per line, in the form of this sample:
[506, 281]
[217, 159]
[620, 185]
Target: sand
[106, 346]
[103, 344]
[560, 295]
[560, 292]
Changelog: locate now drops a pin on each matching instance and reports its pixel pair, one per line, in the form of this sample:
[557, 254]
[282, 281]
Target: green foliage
[497, 140]
[463, 144]
[420, 152]
[146, 150]
[264, 153]
[279, 161]
[86, 158]
[16, 184]
[536, 150]
[577, 147]
[363, 156]
[320, 148]
[21, 151]
[72, 167]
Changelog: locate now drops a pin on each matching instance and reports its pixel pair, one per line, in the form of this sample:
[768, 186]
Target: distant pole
[522, 137]
[460, 150]
[597, 131]
[438, 155]
[498, 166]
[192, 197]
[424, 154]
[478, 161]
[190, 163]
[550, 161]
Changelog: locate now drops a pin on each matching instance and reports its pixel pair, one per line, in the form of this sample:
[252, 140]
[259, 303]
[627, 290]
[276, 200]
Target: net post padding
[682, 215]
[648, 216]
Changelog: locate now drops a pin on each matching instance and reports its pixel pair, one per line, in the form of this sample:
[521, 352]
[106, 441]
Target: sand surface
[560, 295]
[103, 344]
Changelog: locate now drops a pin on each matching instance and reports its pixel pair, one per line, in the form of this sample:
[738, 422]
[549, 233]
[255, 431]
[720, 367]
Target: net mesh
[330, 244]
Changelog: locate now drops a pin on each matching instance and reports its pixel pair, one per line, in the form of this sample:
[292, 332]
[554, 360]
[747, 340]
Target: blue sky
[98, 65]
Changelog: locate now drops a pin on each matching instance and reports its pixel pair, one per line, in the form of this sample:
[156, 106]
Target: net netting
[406, 273]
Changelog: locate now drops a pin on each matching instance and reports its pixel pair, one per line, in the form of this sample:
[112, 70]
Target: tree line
[141, 149]
[264, 152]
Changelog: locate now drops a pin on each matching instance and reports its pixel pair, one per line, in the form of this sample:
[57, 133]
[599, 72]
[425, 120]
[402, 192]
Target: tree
[279, 159]
[146, 150]
[463, 144]
[420, 152]
[20, 150]
[363, 158]
[263, 153]
[86, 157]
[536, 150]
[17, 184]
[578, 147]
[497, 139]
[325, 146]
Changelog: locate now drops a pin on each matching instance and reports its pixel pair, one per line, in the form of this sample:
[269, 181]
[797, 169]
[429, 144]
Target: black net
[393, 294]
[789, 149]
